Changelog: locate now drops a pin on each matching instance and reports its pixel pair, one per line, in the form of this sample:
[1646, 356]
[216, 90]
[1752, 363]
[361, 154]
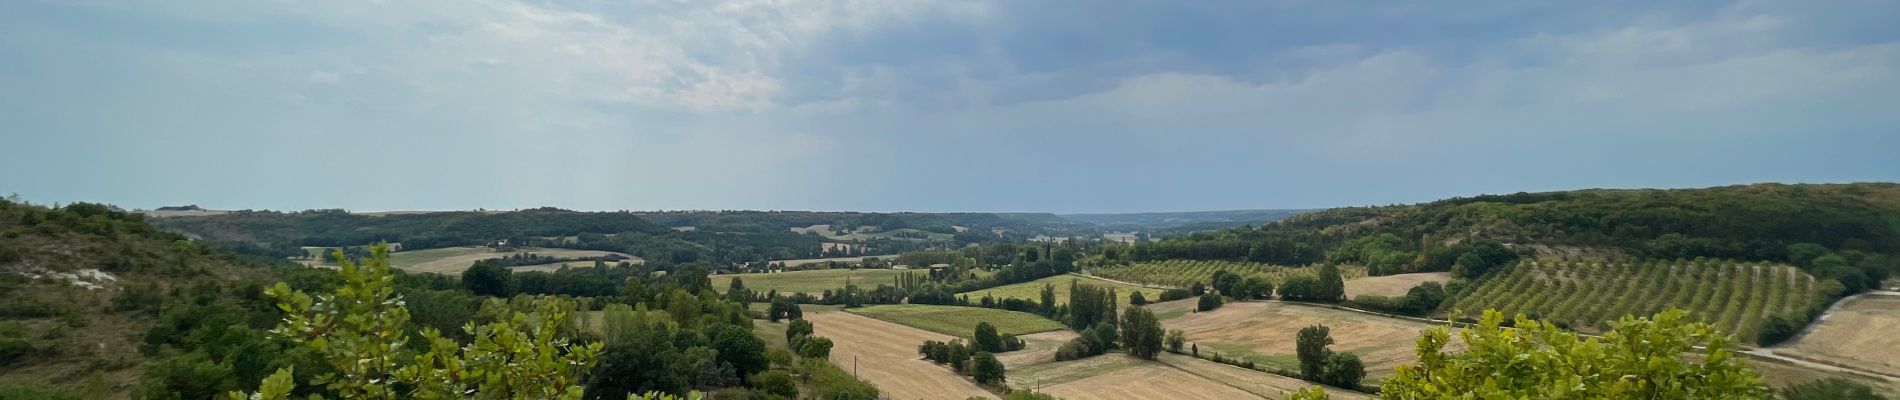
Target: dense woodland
[1753, 222]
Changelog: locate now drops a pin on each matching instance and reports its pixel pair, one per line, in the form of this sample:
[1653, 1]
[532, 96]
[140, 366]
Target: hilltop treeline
[281, 234]
[978, 224]
[1752, 222]
[723, 237]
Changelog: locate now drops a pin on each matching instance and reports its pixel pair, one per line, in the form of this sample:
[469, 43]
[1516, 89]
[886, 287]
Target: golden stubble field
[1858, 333]
[1392, 285]
[1266, 331]
[885, 354]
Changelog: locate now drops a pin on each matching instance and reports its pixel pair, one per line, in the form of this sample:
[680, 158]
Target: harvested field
[1392, 285]
[957, 320]
[1857, 333]
[814, 282]
[885, 354]
[1120, 376]
[453, 260]
[1264, 332]
[1032, 290]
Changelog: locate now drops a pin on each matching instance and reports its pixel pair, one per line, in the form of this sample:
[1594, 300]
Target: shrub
[1342, 370]
[1776, 329]
[1175, 339]
[1012, 343]
[796, 328]
[1176, 294]
[986, 338]
[1208, 302]
[987, 369]
[1137, 299]
[775, 382]
[1300, 287]
[815, 347]
[1075, 349]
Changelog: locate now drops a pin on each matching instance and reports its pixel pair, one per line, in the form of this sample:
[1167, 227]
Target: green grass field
[958, 321]
[1032, 290]
[813, 282]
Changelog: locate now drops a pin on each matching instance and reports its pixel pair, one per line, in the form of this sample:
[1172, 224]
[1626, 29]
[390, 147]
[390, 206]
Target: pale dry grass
[1266, 332]
[1858, 333]
[1392, 285]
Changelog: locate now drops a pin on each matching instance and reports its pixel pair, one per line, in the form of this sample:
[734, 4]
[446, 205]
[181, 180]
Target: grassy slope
[958, 321]
[812, 282]
[1032, 290]
[76, 335]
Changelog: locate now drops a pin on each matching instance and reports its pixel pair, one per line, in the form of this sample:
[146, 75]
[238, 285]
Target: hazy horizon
[983, 106]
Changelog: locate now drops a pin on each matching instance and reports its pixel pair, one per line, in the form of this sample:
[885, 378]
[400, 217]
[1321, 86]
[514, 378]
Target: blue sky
[883, 105]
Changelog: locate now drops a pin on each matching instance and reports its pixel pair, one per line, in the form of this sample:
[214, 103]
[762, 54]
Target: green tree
[1255, 287]
[739, 347]
[485, 278]
[986, 338]
[641, 360]
[1141, 333]
[1311, 349]
[1342, 370]
[1640, 358]
[987, 370]
[797, 328]
[683, 307]
[1225, 282]
[1332, 286]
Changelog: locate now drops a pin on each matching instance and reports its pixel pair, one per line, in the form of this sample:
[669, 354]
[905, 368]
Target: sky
[898, 105]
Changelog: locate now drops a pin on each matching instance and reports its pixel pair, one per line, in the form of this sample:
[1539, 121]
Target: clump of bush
[1420, 300]
[1208, 302]
[1176, 294]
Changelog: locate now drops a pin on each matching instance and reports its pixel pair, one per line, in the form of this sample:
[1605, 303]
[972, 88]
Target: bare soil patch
[885, 354]
[1392, 285]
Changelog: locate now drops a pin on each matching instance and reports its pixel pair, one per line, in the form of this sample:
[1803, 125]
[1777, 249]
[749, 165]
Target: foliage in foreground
[1641, 358]
[358, 331]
